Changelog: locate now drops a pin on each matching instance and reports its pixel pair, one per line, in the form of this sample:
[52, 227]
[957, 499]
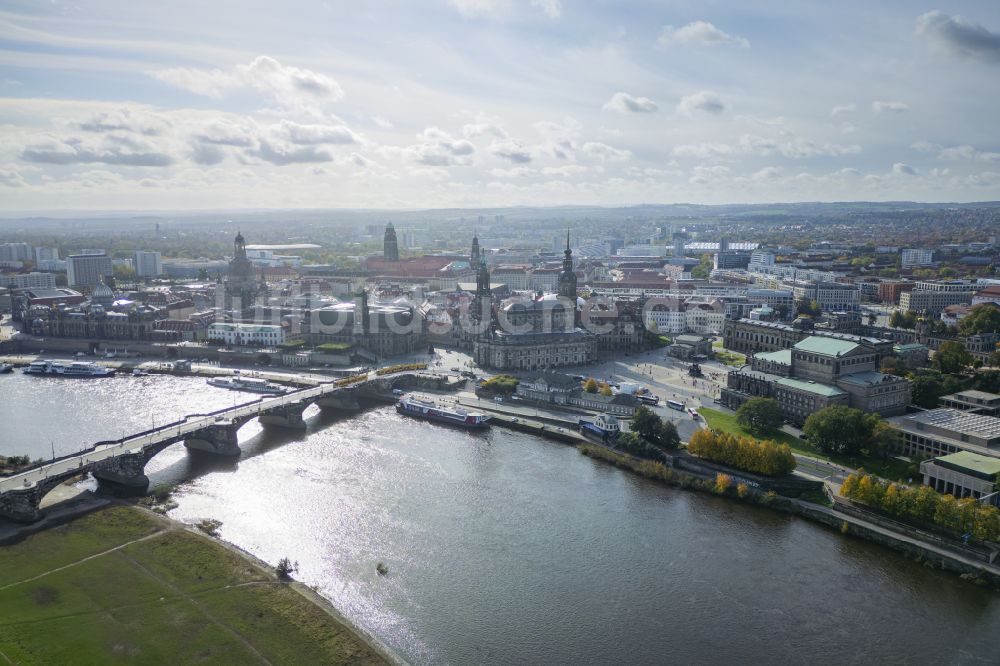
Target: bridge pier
[285, 416]
[124, 475]
[22, 505]
[344, 401]
[218, 438]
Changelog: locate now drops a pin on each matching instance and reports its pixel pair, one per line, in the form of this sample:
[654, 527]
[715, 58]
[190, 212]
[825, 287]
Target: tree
[872, 318]
[704, 267]
[645, 422]
[952, 357]
[805, 306]
[839, 429]
[884, 439]
[759, 415]
[982, 318]
[590, 386]
[285, 568]
[900, 319]
[994, 359]
[605, 390]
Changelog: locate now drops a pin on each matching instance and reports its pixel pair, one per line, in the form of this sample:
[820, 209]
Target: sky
[219, 104]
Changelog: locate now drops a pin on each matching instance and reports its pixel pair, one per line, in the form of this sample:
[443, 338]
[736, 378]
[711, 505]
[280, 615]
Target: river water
[505, 548]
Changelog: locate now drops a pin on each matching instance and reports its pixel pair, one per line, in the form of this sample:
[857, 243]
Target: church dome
[102, 294]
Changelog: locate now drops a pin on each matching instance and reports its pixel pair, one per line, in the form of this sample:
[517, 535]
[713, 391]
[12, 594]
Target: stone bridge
[118, 465]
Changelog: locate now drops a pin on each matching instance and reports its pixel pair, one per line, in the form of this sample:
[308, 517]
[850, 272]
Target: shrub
[723, 482]
[285, 568]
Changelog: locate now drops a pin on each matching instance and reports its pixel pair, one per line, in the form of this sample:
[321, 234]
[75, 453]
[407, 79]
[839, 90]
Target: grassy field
[730, 358]
[894, 469]
[118, 586]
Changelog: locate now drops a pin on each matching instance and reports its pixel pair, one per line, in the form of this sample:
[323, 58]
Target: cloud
[956, 36]
[291, 87]
[495, 8]
[206, 153]
[317, 134]
[963, 152]
[361, 160]
[785, 144]
[126, 120]
[384, 123]
[605, 152]
[705, 101]
[225, 132]
[903, 169]
[890, 107]
[115, 150]
[475, 130]
[767, 173]
[552, 8]
[704, 175]
[843, 108]
[282, 154]
[701, 33]
[511, 151]
[439, 149]
[625, 103]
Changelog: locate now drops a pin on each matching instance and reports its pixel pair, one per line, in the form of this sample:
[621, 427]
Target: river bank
[911, 545]
[155, 589]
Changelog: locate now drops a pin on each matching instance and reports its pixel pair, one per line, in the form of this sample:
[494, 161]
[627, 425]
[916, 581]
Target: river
[505, 548]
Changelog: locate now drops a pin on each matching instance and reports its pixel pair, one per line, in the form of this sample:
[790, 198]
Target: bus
[648, 398]
[673, 404]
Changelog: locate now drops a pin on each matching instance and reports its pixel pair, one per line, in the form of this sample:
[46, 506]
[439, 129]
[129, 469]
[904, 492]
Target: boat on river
[71, 369]
[423, 408]
[5, 367]
[249, 384]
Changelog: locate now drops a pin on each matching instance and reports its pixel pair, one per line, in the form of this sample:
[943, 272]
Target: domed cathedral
[390, 246]
[242, 285]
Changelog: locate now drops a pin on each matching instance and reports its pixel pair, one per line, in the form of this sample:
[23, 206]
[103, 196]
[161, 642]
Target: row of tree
[925, 505]
[762, 457]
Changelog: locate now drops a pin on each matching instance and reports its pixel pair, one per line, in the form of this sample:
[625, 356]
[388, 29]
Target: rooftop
[782, 356]
[826, 346]
[987, 427]
[810, 387]
[971, 461]
[869, 378]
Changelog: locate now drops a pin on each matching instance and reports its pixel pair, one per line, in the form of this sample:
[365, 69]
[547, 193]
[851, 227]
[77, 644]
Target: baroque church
[530, 334]
[242, 286]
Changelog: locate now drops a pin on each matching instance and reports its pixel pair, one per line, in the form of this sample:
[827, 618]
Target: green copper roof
[826, 346]
[810, 387]
[973, 461]
[783, 356]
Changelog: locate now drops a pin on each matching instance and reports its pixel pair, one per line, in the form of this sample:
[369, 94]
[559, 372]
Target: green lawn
[175, 598]
[894, 469]
[730, 358]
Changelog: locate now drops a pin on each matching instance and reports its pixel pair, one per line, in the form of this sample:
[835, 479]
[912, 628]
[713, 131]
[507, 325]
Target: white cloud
[511, 151]
[605, 152]
[316, 134]
[903, 169]
[382, 122]
[703, 175]
[889, 107]
[956, 36]
[843, 109]
[290, 87]
[552, 8]
[476, 130]
[701, 33]
[705, 101]
[113, 148]
[625, 103]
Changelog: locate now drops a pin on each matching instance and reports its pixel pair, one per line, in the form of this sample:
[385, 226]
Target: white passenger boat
[250, 384]
[71, 369]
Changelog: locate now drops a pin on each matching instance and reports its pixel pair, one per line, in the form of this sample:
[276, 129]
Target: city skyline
[492, 102]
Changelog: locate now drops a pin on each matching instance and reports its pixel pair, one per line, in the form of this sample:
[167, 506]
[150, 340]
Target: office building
[87, 270]
[147, 264]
